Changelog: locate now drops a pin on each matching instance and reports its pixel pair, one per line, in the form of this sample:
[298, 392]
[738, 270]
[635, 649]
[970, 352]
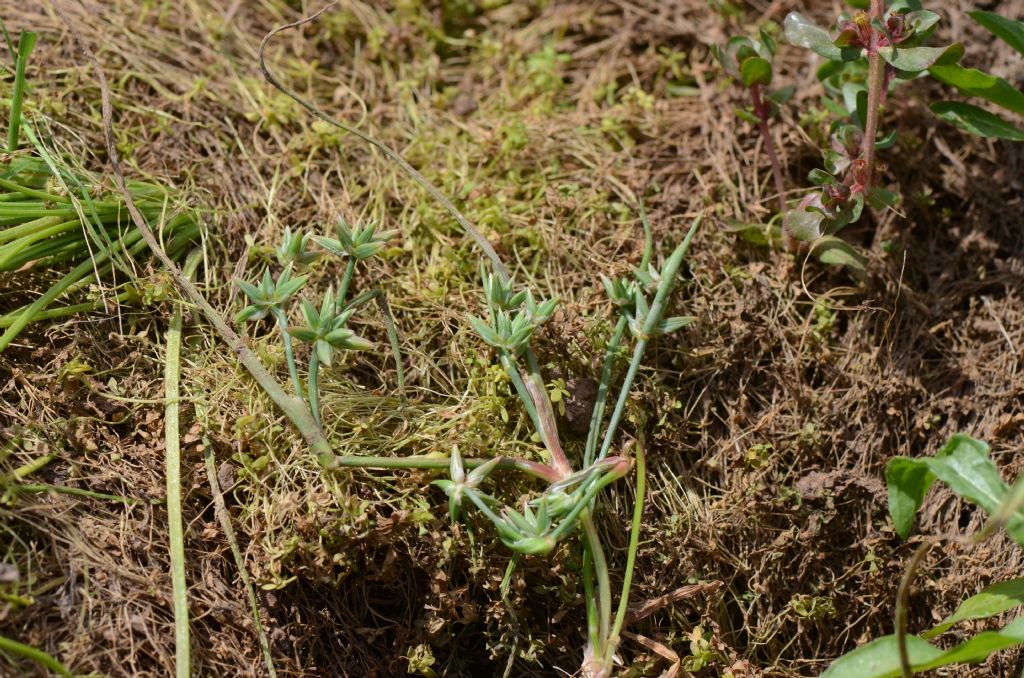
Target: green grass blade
[179, 584]
[25, 44]
[38, 656]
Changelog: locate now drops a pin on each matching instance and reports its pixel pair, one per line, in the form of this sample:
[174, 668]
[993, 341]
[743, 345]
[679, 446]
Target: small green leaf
[881, 658]
[833, 250]
[803, 32]
[964, 465]
[669, 325]
[820, 177]
[976, 120]
[888, 141]
[972, 82]
[303, 334]
[919, 58]
[921, 20]
[758, 234]
[1008, 30]
[994, 600]
[803, 224]
[756, 71]
[882, 198]
[781, 95]
[746, 115]
[907, 481]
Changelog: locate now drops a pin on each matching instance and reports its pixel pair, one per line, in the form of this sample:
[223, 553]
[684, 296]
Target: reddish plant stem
[763, 112]
[876, 84]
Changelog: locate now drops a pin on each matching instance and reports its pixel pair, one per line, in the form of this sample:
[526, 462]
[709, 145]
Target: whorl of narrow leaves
[358, 243]
[268, 294]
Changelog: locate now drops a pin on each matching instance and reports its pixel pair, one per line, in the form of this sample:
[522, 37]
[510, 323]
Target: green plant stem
[542, 471]
[602, 390]
[172, 460]
[669, 272]
[74, 491]
[545, 415]
[26, 42]
[762, 112]
[634, 544]
[604, 586]
[289, 353]
[593, 626]
[33, 192]
[29, 228]
[31, 467]
[392, 330]
[876, 81]
[467, 227]
[396, 348]
[524, 393]
[346, 282]
[38, 656]
[569, 521]
[313, 385]
[64, 311]
[903, 605]
[229, 533]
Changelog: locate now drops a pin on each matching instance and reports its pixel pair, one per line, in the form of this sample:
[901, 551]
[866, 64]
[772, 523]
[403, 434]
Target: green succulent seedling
[325, 328]
[535, 525]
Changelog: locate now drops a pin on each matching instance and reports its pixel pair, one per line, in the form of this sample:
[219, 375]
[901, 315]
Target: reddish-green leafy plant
[868, 54]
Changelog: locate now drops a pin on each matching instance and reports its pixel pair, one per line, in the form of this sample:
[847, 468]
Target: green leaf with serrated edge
[832, 250]
[907, 481]
[756, 71]
[1009, 31]
[976, 120]
[972, 82]
[994, 600]
[915, 59]
[803, 32]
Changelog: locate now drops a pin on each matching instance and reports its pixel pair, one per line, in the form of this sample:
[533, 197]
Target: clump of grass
[52, 217]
